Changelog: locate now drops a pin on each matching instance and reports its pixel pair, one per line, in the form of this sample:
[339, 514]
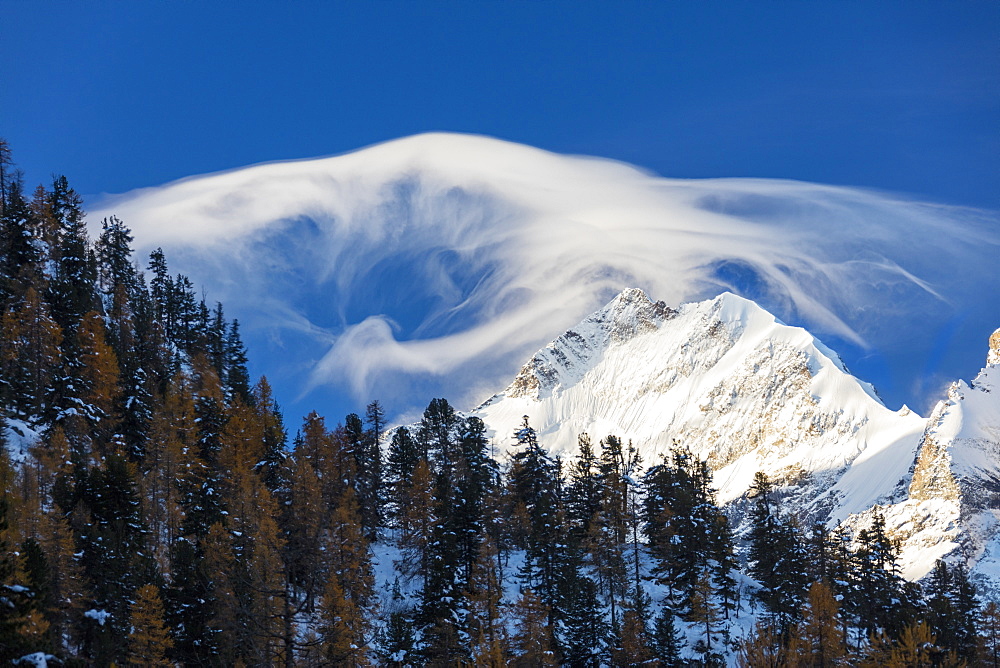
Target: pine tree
[916, 647]
[636, 643]
[486, 619]
[764, 648]
[31, 358]
[305, 522]
[583, 491]
[67, 584]
[534, 480]
[989, 629]
[113, 546]
[397, 644]
[224, 627]
[417, 522]
[14, 596]
[237, 379]
[880, 599]
[689, 536]
[952, 609]
[73, 287]
[20, 256]
[776, 557]
[666, 640]
[401, 461]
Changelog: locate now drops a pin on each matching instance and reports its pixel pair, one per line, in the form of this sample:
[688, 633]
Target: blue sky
[898, 96]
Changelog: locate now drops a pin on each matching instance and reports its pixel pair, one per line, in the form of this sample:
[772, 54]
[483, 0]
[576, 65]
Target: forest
[157, 510]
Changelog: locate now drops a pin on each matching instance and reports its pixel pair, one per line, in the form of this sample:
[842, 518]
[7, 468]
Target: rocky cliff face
[952, 506]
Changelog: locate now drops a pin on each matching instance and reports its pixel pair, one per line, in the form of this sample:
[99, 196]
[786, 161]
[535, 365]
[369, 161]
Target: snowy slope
[730, 381]
[953, 500]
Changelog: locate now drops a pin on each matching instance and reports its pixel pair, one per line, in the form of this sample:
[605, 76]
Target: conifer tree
[14, 596]
[534, 480]
[416, 525]
[348, 595]
[113, 546]
[881, 599]
[584, 619]
[224, 631]
[689, 536]
[532, 642]
[237, 379]
[66, 584]
[72, 289]
[989, 630]
[821, 637]
[20, 256]
[763, 648]
[951, 609]
[396, 647]
[305, 522]
[666, 641]
[149, 640]
[31, 358]
[636, 643]
[916, 647]
[401, 461]
[486, 622]
[777, 559]
[583, 490]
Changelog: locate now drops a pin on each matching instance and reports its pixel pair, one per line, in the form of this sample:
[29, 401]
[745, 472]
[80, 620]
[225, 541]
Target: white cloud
[456, 256]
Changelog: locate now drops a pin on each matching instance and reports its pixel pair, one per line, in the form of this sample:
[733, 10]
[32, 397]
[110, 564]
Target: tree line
[162, 513]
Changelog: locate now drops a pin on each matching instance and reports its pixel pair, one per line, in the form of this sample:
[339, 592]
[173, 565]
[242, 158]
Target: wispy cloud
[455, 256]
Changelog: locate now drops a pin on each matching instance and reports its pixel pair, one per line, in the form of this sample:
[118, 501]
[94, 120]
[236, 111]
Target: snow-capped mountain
[953, 498]
[728, 380]
[749, 393]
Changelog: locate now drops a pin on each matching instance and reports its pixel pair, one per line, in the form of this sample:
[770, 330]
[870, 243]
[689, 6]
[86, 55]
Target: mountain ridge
[747, 392]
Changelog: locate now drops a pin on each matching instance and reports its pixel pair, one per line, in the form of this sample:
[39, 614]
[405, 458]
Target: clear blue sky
[900, 96]
[895, 95]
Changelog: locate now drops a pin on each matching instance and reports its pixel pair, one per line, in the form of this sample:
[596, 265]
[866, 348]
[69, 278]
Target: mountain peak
[566, 359]
[727, 379]
[993, 356]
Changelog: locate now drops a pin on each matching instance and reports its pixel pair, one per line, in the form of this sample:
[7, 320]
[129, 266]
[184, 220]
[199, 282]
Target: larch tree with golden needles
[350, 586]
[532, 642]
[149, 640]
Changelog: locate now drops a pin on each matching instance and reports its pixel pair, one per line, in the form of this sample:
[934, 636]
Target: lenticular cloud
[442, 261]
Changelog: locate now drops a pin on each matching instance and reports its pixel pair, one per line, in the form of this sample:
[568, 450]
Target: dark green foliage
[880, 599]
[536, 483]
[72, 290]
[584, 621]
[237, 378]
[777, 557]
[259, 552]
[952, 609]
[396, 646]
[583, 489]
[666, 639]
[689, 536]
